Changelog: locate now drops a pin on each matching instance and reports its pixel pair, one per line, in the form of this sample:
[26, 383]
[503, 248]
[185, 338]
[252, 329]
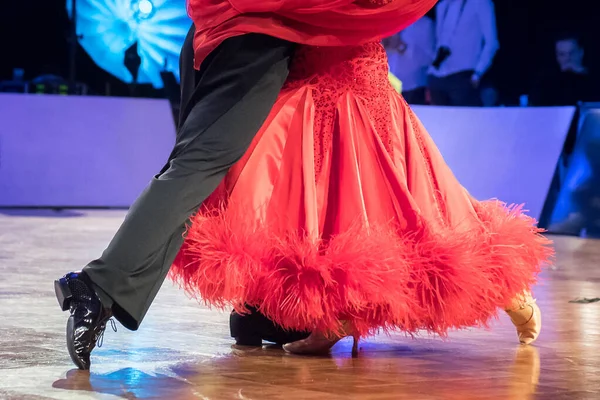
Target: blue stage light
[145, 7]
[107, 28]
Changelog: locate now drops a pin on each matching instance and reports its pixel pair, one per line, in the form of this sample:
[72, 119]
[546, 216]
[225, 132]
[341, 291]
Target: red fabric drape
[300, 6]
[309, 22]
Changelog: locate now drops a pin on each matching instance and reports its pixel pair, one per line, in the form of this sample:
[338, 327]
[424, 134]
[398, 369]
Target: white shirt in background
[411, 65]
[471, 36]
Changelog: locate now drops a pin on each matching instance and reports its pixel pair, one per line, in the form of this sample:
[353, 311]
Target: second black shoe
[254, 328]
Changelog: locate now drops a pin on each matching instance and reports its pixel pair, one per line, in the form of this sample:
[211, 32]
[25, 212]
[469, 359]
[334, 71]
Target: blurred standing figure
[466, 43]
[569, 80]
[410, 53]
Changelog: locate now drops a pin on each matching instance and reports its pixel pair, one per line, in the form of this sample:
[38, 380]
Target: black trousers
[223, 107]
[454, 90]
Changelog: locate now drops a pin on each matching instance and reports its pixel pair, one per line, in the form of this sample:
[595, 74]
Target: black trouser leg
[237, 88]
[188, 77]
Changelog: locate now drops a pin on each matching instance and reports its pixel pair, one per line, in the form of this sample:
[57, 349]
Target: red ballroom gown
[343, 209]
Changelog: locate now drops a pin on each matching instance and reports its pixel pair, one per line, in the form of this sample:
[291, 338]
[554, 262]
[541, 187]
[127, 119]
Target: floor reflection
[525, 373]
[128, 383]
[268, 373]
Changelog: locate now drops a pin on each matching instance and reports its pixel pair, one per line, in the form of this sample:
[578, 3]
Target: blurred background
[111, 79]
[35, 38]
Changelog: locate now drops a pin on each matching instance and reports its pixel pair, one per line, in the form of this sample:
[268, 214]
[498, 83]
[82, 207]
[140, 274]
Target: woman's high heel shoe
[319, 343]
[528, 321]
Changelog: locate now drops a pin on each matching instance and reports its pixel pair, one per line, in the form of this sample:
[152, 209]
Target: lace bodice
[333, 71]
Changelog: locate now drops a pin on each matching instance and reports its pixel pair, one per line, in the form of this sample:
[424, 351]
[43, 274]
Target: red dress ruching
[309, 22]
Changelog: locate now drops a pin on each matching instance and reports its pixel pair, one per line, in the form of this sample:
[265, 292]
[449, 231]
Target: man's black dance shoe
[87, 322]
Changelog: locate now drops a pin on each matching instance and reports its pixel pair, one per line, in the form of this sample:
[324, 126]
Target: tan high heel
[319, 343]
[529, 312]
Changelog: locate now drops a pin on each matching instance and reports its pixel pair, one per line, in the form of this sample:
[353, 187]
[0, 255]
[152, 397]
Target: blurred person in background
[568, 81]
[466, 43]
[410, 53]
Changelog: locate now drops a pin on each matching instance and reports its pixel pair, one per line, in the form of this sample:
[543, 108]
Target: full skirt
[349, 213]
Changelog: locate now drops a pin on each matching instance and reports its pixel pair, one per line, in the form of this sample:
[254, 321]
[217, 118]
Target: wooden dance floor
[183, 351]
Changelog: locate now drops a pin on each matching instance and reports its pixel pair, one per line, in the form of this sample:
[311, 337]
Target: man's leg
[238, 86]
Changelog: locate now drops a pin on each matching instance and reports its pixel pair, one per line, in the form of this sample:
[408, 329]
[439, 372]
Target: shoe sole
[249, 341]
[63, 293]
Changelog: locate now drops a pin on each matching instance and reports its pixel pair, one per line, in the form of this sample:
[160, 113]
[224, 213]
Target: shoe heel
[355, 340]
[63, 293]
